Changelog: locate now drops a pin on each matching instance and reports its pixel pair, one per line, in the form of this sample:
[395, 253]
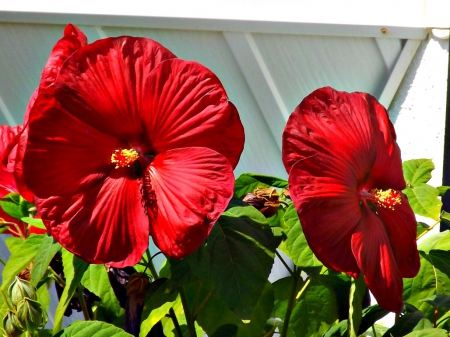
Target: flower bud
[137, 287]
[11, 326]
[20, 289]
[30, 315]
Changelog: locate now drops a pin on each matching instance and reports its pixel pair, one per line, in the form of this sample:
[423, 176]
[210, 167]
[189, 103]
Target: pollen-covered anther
[124, 157]
[387, 198]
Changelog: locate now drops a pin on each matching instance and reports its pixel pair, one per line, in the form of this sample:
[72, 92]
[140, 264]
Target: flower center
[387, 198]
[124, 157]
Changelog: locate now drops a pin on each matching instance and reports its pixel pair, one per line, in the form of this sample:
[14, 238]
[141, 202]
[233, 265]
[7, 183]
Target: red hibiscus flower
[346, 178]
[129, 141]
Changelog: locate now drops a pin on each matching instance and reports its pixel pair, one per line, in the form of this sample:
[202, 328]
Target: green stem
[2, 261]
[292, 298]
[284, 262]
[175, 322]
[82, 301]
[151, 266]
[428, 229]
[187, 314]
[374, 331]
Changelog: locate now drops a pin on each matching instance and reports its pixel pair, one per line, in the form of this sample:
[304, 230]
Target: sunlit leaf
[405, 324]
[442, 190]
[424, 200]
[417, 171]
[22, 253]
[428, 333]
[96, 280]
[438, 241]
[74, 269]
[47, 250]
[35, 222]
[433, 279]
[16, 206]
[92, 329]
[357, 292]
[296, 246]
[158, 301]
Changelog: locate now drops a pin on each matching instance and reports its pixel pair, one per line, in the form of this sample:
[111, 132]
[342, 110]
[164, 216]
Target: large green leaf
[74, 269]
[296, 246]
[47, 250]
[248, 182]
[405, 324]
[159, 299]
[96, 280]
[433, 279]
[22, 253]
[428, 333]
[237, 258]
[438, 241]
[424, 200]
[16, 206]
[417, 171]
[92, 329]
[314, 312]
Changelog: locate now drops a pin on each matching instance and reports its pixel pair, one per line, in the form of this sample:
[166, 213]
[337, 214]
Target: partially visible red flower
[8, 136]
[131, 141]
[346, 178]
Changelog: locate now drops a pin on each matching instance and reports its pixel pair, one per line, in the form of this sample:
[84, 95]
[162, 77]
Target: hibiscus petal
[351, 126]
[64, 155]
[372, 249]
[105, 224]
[102, 83]
[327, 203]
[187, 106]
[401, 226]
[72, 40]
[193, 187]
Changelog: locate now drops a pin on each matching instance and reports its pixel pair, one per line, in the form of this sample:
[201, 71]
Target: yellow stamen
[387, 198]
[124, 157]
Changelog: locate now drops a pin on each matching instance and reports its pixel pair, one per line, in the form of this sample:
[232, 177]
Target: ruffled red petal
[105, 224]
[102, 84]
[72, 40]
[186, 105]
[192, 187]
[352, 127]
[372, 249]
[64, 155]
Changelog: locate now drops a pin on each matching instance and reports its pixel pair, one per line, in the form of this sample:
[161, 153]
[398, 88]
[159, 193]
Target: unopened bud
[11, 326]
[137, 287]
[20, 289]
[30, 315]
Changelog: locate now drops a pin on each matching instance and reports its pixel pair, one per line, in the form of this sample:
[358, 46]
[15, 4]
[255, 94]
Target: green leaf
[428, 333]
[237, 258]
[16, 206]
[158, 300]
[47, 250]
[433, 279]
[96, 280]
[405, 324]
[35, 222]
[22, 253]
[417, 171]
[296, 246]
[442, 190]
[424, 200]
[248, 182]
[438, 301]
[92, 329]
[74, 269]
[357, 292]
[438, 241]
[314, 312]
[421, 227]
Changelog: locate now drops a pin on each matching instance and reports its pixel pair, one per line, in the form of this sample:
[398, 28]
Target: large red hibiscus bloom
[129, 141]
[345, 178]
